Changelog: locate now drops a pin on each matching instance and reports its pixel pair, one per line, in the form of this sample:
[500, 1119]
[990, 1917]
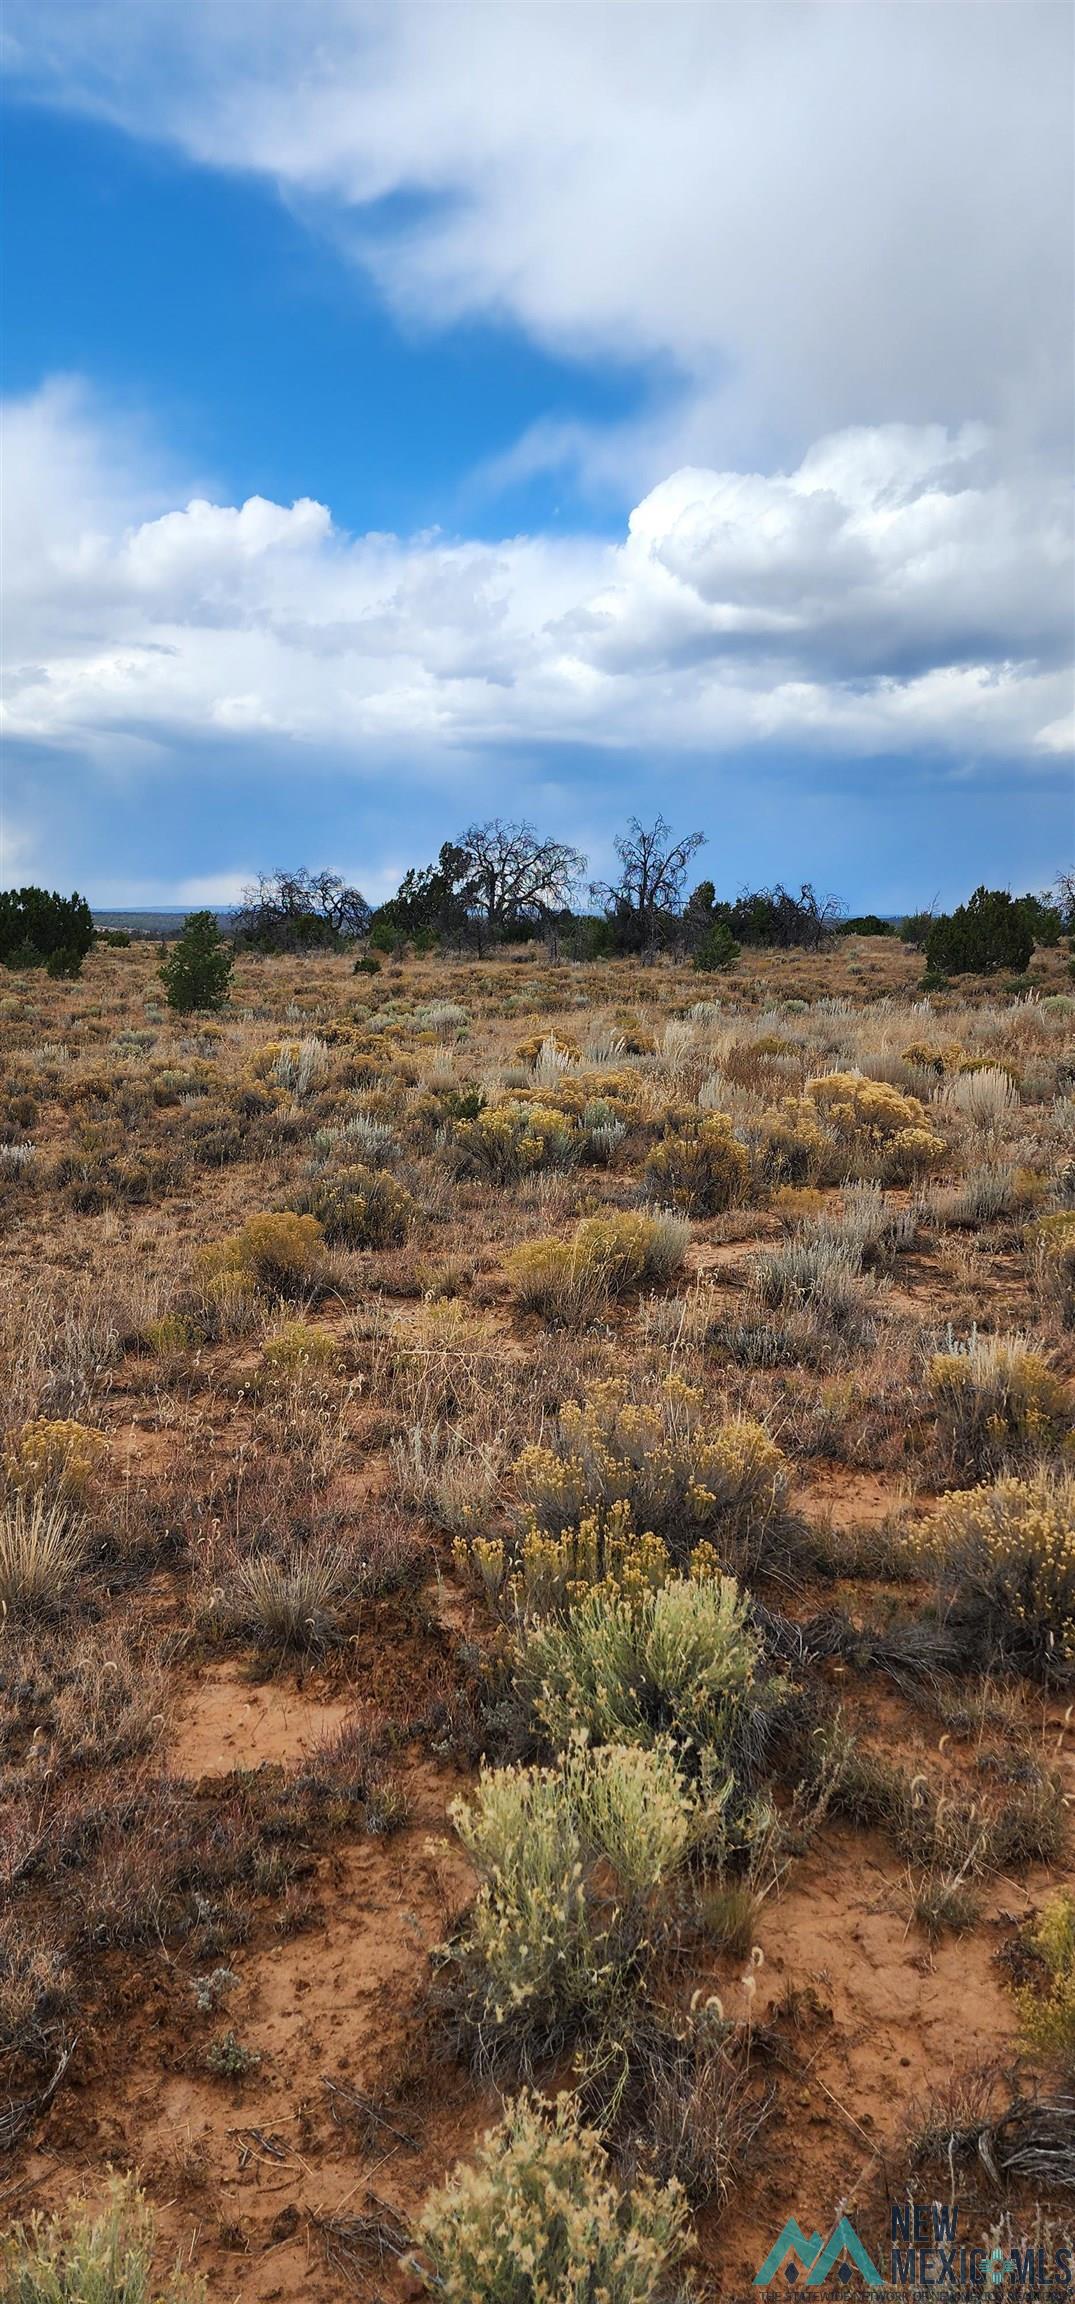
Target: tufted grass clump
[91, 2256]
[362, 1207]
[291, 1600]
[54, 1457]
[1004, 1559]
[702, 1170]
[679, 1663]
[539, 2220]
[42, 1548]
[574, 1281]
[570, 1860]
[997, 1403]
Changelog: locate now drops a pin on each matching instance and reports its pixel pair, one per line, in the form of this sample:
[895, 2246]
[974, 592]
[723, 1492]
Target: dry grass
[425, 1347]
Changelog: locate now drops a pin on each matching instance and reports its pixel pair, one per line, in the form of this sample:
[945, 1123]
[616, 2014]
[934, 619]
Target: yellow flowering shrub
[682, 1476]
[54, 1458]
[1004, 1558]
[278, 1253]
[879, 1128]
[703, 1170]
[360, 1207]
[527, 1051]
[170, 1334]
[537, 1574]
[298, 1354]
[607, 1257]
[506, 1141]
[791, 1147]
[996, 1401]
[539, 2220]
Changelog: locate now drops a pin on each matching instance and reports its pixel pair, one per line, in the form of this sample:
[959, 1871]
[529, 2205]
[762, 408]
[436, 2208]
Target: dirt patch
[227, 1722]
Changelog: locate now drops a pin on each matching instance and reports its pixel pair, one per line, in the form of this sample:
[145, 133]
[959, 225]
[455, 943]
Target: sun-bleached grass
[42, 1550]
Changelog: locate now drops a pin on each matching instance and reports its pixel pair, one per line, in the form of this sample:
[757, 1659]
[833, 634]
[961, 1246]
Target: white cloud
[819, 215]
[892, 592]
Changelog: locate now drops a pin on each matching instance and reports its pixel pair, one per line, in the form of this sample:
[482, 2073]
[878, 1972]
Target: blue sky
[450, 410]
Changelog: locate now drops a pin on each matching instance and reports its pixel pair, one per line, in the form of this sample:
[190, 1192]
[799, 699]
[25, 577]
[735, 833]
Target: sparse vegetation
[544, 1499]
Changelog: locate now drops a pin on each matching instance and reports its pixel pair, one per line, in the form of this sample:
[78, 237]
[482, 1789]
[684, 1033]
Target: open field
[396, 1371]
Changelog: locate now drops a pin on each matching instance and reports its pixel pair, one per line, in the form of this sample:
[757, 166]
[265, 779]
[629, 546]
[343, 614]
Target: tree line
[503, 883]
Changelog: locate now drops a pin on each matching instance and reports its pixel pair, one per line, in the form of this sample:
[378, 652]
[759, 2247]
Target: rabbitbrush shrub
[569, 1860]
[506, 1141]
[881, 1131]
[539, 2220]
[361, 1207]
[996, 1401]
[702, 1170]
[1004, 1558]
[1052, 1241]
[54, 1457]
[682, 1476]
[91, 2256]
[281, 1254]
[608, 1257]
[678, 1664]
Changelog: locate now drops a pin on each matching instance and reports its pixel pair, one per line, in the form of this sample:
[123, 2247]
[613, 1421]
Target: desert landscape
[538, 1569]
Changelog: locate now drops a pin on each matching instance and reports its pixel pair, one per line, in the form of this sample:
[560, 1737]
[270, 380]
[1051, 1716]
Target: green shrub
[991, 931]
[91, 2256]
[197, 971]
[1047, 2016]
[569, 1860]
[717, 951]
[678, 1663]
[539, 2220]
[41, 930]
[702, 1170]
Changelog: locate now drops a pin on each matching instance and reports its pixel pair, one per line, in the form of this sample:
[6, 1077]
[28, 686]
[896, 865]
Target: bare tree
[1063, 896]
[649, 891]
[294, 911]
[514, 876]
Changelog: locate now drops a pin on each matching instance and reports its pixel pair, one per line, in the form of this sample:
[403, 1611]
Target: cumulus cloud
[892, 590]
[817, 216]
